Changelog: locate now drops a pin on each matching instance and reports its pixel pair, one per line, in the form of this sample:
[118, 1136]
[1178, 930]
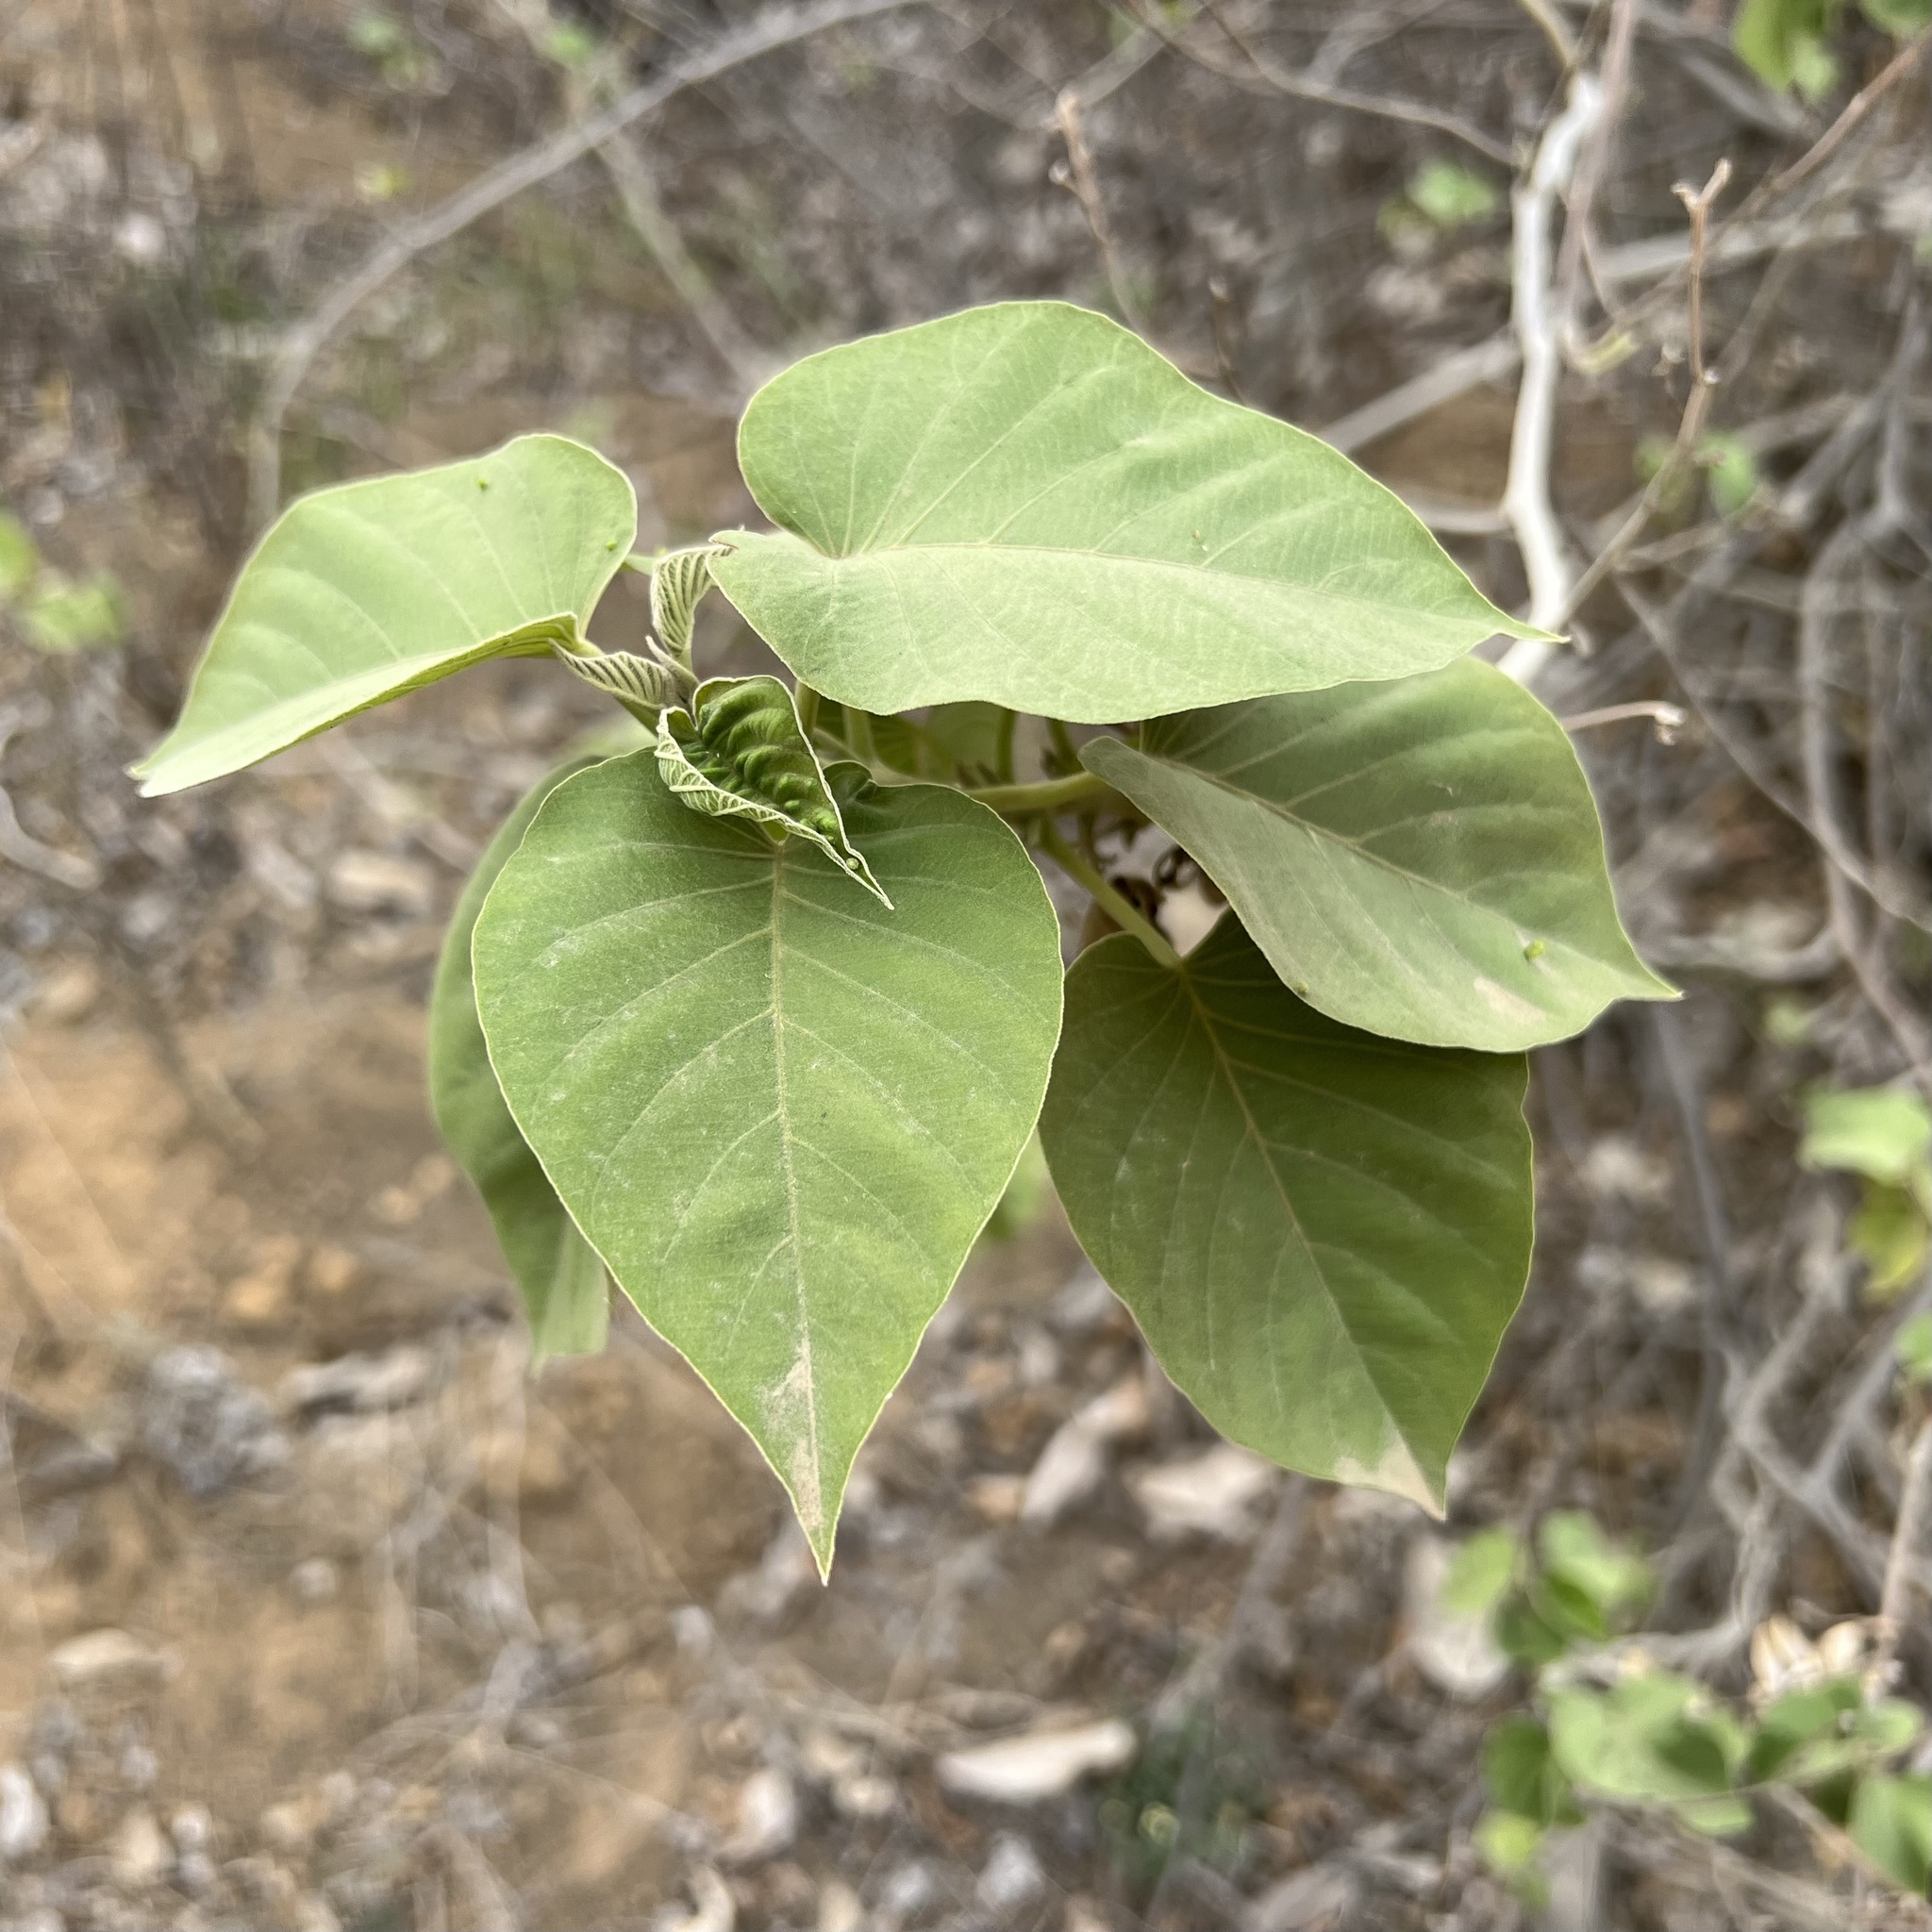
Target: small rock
[205, 1424]
[22, 1816]
[139, 1767]
[1040, 1765]
[332, 1270]
[1078, 1453]
[1012, 1880]
[864, 1796]
[195, 1873]
[313, 1913]
[361, 1382]
[1323, 1895]
[98, 1656]
[840, 1910]
[138, 1855]
[260, 1298]
[713, 1907]
[1456, 1651]
[905, 1893]
[1085, 1304]
[1209, 1495]
[692, 1630]
[68, 994]
[288, 1827]
[785, 1573]
[996, 1498]
[192, 1828]
[314, 1580]
[363, 881]
[767, 1819]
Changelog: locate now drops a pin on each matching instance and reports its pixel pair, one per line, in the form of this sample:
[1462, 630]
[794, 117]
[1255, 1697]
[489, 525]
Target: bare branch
[782, 26]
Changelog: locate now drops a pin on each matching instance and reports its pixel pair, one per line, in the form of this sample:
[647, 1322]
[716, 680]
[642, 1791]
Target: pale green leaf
[561, 1279]
[1614, 1577]
[1026, 504]
[740, 752]
[1891, 1820]
[1481, 1572]
[1652, 1739]
[1913, 1348]
[1884, 1133]
[362, 592]
[1421, 857]
[19, 557]
[1322, 1233]
[780, 1112]
[62, 618]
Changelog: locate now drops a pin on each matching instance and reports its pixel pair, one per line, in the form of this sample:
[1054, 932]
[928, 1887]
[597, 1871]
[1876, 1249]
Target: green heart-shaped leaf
[1422, 859]
[1322, 1233]
[1026, 504]
[561, 1279]
[365, 592]
[740, 752]
[780, 1112]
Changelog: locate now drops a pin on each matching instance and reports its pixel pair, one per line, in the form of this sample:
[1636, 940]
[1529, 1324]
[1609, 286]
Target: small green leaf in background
[1890, 1234]
[1481, 1572]
[1322, 1233]
[1451, 195]
[375, 34]
[1892, 1822]
[19, 557]
[779, 1111]
[1885, 1134]
[740, 752]
[1899, 18]
[1614, 1579]
[1654, 1739]
[1511, 1845]
[1914, 1348]
[1523, 1775]
[1783, 42]
[1024, 503]
[1730, 472]
[370, 589]
[561, 1279]
[1421, 858]
[571, 45]
[62, 618]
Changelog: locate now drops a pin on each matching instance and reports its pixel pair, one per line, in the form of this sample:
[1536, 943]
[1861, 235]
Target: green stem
[1051, 794]
[808, 702]
[1116, 905]
[1003, 747]
[859, 736]
[1063, 745]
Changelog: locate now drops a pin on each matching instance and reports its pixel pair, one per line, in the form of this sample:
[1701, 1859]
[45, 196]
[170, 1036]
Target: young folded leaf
[1421, 858]
[362, 592]
[677, 585]
[1026, 504]
[1322, 1233]
[781, 1113]
[563, 1283]
[740, 752]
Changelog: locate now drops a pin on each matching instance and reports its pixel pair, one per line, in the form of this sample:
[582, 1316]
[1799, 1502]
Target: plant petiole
[1116, 905]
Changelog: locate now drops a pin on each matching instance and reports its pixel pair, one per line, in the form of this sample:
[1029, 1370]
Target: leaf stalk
[1116, 905]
